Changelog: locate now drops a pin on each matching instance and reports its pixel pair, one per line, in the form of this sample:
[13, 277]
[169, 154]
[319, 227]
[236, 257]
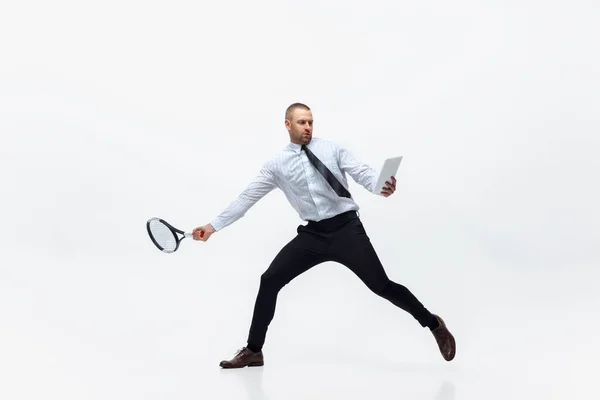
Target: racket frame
[173, 230]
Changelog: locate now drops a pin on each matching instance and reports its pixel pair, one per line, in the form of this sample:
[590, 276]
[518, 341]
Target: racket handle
[189, 235]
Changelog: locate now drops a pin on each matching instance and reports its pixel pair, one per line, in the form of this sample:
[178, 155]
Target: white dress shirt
[303, 185]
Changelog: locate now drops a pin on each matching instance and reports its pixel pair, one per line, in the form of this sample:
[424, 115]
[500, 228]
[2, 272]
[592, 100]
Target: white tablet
[389, 169]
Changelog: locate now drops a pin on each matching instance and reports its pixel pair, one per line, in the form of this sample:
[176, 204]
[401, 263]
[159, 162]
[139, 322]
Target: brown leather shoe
[444, 339]
[244, 357]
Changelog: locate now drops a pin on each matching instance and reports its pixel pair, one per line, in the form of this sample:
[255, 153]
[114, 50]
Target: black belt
[333, 223]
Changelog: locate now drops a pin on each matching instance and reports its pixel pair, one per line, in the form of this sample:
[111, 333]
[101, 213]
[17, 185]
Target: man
[311, 173]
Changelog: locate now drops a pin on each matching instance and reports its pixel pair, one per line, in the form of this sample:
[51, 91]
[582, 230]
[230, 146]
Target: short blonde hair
[289, 112]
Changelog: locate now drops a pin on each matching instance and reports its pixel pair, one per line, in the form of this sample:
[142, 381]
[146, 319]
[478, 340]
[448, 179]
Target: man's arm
[362, 173]
[264, 183]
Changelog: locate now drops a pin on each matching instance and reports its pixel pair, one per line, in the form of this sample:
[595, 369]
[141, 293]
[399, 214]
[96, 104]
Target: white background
[114, 112]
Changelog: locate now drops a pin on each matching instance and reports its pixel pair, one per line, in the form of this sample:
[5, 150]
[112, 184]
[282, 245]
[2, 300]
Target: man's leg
[352, 248]
[303, 252]
[306, 250]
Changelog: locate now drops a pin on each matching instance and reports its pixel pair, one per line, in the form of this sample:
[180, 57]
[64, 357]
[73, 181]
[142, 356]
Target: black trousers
[340, 239]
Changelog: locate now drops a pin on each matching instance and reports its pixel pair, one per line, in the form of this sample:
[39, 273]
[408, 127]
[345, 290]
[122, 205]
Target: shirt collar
[298, 147]
[295, 147]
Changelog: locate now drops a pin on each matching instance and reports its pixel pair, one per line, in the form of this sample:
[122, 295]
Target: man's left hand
[389, 188]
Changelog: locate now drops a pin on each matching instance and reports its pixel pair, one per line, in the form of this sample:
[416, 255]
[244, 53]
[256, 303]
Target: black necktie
[335, 184]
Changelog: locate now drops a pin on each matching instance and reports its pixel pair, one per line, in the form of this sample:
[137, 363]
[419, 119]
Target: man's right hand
[203, 232]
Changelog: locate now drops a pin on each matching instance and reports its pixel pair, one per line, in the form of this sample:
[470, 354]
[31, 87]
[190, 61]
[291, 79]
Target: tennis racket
[165, 236]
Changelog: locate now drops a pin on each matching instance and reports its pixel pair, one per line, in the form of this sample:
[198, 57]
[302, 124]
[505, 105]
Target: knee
[381, 288]
[271, 281]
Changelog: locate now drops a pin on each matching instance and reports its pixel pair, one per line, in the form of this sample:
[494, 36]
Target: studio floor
[157, 332]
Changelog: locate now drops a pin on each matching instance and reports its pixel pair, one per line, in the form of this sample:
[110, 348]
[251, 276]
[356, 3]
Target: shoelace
[239, 351]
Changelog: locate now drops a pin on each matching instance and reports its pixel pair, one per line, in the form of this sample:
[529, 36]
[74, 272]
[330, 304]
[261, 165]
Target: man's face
[300, 126]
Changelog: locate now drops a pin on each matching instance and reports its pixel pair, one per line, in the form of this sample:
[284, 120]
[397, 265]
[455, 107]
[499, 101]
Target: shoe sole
[252, 364]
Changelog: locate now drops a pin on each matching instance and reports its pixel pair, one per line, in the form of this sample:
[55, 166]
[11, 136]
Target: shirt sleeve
[362, 173]
[264, 183]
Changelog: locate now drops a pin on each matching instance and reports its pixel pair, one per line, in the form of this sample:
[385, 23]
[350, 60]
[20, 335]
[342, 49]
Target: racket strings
[163, 235]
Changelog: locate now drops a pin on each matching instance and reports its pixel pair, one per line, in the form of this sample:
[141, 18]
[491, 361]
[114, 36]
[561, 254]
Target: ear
[288, 124]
